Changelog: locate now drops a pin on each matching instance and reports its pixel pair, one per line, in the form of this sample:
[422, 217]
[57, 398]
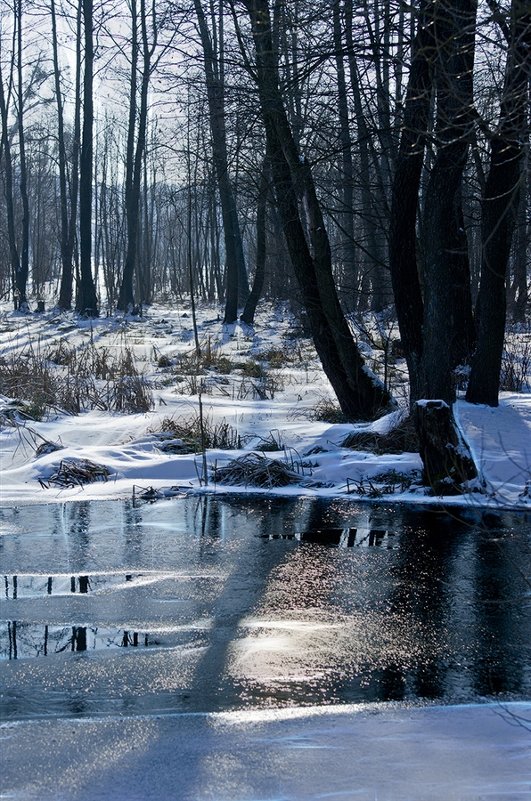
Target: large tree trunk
[405, 199]
[86, 301]
[359, 394]
[448, 322]
[500, 203]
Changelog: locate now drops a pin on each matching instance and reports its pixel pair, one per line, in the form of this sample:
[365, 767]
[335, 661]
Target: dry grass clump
[401, 439]
[194, 364]
[386, 483]
[195, 437]
[276, 357]
[75, 473]
[327, 411]
[26, 377]
[255, 471]
[253, 369]
[273, 442]
[66, 379]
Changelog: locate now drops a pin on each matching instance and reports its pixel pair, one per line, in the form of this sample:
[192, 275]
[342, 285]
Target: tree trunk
[247, 316]
[370, 245]
[500, 203]
[346, 165]
[135, 154]
[359, 394]
[235, 262]
[86, 302]
[8, 192]
[447, 462]
[126, 295]
[405, 199]
[65, 293]
[521, 256]
[23, 267]
[448, 323]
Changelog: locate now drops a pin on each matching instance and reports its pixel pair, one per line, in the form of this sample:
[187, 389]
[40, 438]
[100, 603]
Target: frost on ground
[261, 390]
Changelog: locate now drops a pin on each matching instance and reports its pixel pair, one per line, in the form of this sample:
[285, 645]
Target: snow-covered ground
[276, 399]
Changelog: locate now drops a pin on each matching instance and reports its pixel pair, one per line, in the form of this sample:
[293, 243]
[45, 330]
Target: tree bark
[86, 301]
[65, 293]
[346, 163]
[500, 203]
[447, 462]
[405, 199]
[236, 290]
[135, 152]
[8, 193]
[448, 322]
[23, 266]
[249, 310]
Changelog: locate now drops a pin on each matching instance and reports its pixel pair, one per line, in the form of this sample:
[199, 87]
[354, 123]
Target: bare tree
[500, 203]
[236, 278]
[86, 300]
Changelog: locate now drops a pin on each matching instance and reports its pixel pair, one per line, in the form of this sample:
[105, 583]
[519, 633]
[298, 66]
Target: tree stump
[448, 463]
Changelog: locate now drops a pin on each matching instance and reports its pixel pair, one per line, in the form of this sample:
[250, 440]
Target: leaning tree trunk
[500, 203]
[359, 394]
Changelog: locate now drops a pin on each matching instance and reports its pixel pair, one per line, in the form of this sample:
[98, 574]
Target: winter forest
[265, 399]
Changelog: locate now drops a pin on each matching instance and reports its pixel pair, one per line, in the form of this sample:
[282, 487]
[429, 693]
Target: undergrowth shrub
[515, 375]
[400, 439]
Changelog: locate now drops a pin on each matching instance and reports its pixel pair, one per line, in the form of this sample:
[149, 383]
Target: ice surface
[389, 753]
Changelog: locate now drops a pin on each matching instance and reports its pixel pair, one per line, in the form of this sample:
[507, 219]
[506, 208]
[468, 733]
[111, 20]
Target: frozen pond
[212, 605]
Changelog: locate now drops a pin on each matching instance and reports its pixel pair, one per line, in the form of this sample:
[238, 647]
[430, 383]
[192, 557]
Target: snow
[353, 752]
[500, 439]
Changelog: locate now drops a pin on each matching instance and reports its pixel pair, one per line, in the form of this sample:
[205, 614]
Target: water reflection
[205, 604]
[20, 640]
[338, 537]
